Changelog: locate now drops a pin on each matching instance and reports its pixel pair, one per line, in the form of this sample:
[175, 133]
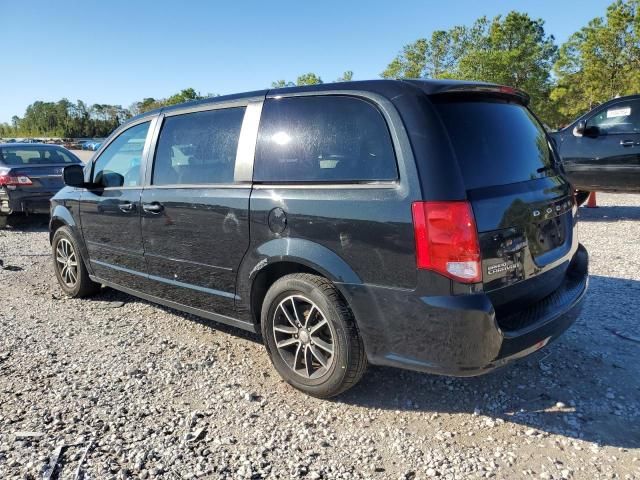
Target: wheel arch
[61, 216]
[284, 256]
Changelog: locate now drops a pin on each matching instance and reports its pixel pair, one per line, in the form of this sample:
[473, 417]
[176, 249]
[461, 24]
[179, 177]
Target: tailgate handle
[626, 143]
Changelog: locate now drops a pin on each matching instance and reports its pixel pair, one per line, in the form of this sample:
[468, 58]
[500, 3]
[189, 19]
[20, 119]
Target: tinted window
[495, 142]
[622, 117]
[34, 156]
[119, 164]
[323, 139]
[198, 148]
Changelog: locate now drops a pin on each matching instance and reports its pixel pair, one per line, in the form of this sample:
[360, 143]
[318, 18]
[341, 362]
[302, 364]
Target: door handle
[627, 143]
[127, 207]
[153, 207]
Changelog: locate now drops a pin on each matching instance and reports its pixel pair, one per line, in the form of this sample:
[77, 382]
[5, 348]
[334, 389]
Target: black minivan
[417, 224]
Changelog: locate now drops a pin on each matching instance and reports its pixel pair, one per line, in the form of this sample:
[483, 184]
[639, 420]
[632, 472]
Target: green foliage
[186, 95]
[305, 79]
[512, 50]
[440, 55]
[66, 119]
[346, 77]
[599, 62]
[308, 79]
[282, 84]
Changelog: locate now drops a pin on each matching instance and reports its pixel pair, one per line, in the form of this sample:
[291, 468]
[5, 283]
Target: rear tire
[69, 266]
[311, 335]
[3, 221]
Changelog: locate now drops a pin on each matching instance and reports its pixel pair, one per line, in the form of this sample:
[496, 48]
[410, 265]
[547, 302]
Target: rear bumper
[460, 335]
[16, 201]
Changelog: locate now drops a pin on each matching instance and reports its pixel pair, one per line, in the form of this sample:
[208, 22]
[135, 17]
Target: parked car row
[30, 174]
[69, 143]
[90, 145]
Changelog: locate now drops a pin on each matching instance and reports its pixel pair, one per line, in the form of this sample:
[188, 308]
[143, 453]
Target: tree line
[597, 63]
[67, 119]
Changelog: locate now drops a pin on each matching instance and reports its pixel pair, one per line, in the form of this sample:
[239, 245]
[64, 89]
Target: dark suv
[417, 224]
[600, 150]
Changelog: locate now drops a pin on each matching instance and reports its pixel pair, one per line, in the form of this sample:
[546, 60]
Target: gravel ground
[148, 392]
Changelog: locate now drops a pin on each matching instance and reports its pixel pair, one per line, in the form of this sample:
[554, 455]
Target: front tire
[69, 266]
[3, 221]
[311, 335]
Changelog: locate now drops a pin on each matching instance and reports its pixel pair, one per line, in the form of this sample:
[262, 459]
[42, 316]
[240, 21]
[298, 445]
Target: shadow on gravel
[28, 223]
[609, 214]
[111, 295]
[582, 370]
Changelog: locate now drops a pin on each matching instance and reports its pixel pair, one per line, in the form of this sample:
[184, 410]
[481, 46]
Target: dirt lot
[147, 392]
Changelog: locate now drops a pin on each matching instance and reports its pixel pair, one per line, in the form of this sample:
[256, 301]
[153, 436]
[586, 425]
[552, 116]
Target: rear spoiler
[497, 90]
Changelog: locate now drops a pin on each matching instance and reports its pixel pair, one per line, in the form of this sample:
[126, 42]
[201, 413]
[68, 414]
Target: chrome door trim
[247, 142]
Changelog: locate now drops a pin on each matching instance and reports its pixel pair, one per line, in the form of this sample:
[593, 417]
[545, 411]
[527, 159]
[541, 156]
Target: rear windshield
[495, 142]
[17, 156]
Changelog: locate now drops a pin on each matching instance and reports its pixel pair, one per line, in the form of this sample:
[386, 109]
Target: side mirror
[73, 175]
[579, 129]
[109, 179]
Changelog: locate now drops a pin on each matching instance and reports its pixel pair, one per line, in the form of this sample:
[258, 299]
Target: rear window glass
[16, 156]
[323, 139]
[495, 142]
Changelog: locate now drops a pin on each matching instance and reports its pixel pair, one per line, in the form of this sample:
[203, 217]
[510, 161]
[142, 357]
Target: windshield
[495, 142]
[29, 156]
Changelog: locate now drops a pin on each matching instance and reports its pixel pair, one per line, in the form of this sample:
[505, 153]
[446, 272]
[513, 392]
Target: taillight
[14, 180]
[447, 239]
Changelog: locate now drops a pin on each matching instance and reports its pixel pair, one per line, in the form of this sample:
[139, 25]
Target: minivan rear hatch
[523, 207]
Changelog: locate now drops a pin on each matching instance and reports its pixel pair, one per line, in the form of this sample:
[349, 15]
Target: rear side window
[198, 148]
[323, 139]
[495, 142]
[16, 156]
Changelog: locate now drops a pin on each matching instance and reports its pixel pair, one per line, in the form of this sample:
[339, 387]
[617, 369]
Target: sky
[120, 51]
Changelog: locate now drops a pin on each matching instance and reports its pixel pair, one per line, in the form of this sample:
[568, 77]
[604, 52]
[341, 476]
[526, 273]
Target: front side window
[623, 117]
[198, 148]
[323, 139]
[119, 163]
[20, 156]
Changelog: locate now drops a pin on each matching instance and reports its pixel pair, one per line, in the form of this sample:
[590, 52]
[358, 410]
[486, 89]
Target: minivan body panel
[110, 220]
[461, 335]
[194, 245]
[205, 252]
[525, 229]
